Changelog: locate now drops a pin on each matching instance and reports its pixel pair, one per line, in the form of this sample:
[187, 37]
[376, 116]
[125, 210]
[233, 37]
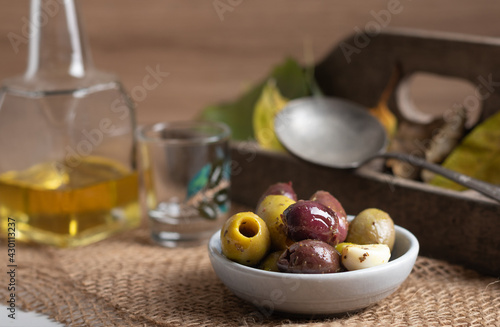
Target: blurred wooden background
[213, 56]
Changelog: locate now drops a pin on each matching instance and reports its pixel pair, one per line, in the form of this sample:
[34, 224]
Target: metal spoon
[337, 133]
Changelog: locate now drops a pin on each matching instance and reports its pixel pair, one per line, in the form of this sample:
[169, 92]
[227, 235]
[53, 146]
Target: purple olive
[309, 257]
[343, 229]
[331, 202]
[312, 220]
[279, 189]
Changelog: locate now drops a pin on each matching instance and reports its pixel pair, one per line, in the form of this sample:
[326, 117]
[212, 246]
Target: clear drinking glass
[186, 172]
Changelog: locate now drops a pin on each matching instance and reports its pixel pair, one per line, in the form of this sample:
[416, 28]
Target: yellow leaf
[477, 156]
[382, 112]
[386, 118]
[267, 107]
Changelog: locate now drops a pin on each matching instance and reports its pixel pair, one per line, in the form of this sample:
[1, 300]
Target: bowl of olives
[309, 257]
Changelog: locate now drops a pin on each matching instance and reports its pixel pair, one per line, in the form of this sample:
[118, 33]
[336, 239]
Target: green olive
[271, 211]
[245, 238]
[372, 226]
[270, 262]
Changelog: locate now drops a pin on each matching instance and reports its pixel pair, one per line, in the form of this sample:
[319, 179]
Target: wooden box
[460, 227]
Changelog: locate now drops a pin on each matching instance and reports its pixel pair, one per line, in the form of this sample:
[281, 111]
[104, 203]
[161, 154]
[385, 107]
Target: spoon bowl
[337, 133]
[330, 132]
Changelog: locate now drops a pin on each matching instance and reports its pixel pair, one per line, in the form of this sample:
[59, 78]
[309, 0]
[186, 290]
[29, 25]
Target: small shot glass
[185, 168]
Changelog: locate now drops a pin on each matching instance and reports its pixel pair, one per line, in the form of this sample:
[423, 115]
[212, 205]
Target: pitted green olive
[245, 238]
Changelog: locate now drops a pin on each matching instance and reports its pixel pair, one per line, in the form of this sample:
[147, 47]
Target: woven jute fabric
[127, 280]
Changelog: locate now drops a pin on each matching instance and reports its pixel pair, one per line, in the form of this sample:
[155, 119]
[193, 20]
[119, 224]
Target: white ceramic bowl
[312, 294]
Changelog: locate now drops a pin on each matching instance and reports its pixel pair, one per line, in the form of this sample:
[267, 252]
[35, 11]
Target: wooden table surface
[213, 55]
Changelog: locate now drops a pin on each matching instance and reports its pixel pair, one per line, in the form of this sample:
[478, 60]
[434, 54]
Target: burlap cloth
[128, 281]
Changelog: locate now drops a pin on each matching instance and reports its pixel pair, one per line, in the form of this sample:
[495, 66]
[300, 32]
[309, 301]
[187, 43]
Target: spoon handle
[487, 189]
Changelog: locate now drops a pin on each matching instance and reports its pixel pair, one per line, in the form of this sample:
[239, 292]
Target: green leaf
[269, 104]
[477, 156]
[291, 79]
[216, 174]
[208, 210]
[292, 82]
[199, 180]
[237, 115]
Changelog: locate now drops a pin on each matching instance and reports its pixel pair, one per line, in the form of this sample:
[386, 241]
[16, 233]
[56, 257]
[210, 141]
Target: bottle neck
[57, 47]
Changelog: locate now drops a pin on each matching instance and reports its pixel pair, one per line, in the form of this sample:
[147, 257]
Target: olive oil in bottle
[56, 204]
[68, 173]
